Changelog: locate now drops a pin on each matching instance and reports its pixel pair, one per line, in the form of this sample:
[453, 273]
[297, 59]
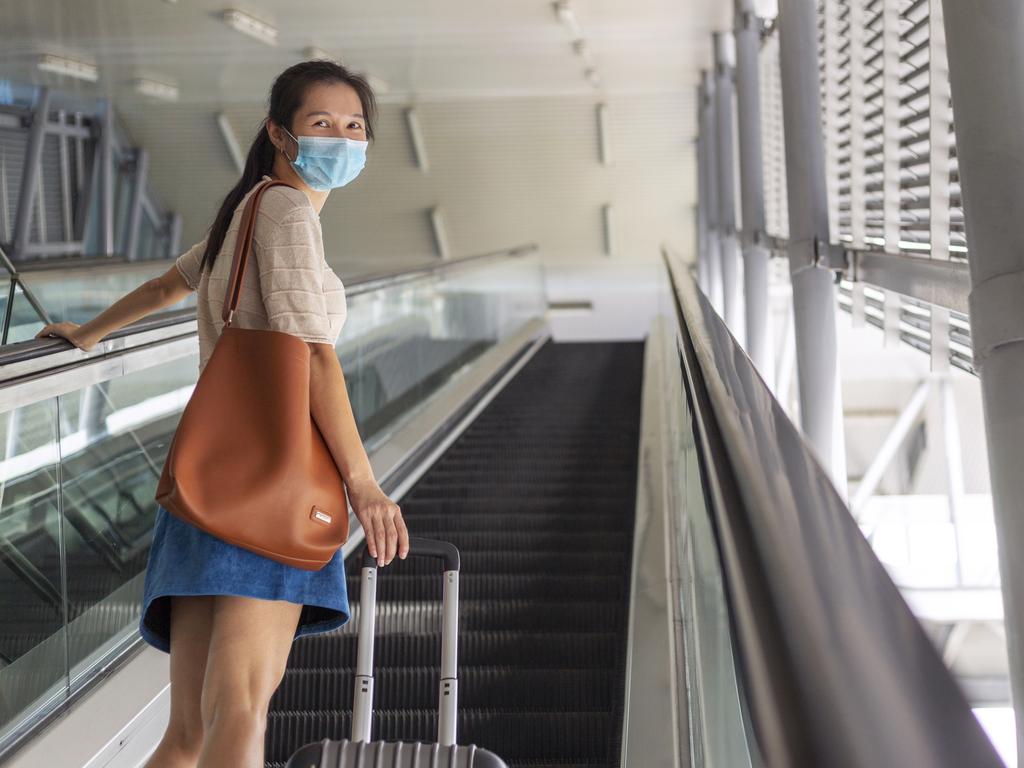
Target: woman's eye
[321, 121]
[357, 125]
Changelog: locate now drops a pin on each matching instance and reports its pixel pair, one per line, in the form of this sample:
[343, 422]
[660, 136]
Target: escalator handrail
[835, 667]
[31, 349]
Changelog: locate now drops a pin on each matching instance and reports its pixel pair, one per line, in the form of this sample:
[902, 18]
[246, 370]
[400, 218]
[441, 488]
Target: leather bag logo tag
[319, 515]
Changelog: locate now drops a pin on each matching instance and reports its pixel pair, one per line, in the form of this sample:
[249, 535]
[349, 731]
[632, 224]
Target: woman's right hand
[67, 330]
[382, 521]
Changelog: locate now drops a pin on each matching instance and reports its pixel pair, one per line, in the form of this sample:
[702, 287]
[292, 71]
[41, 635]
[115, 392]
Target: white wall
[505, 172]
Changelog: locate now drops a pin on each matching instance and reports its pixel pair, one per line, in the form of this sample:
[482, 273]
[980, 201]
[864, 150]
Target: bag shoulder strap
[243, 246]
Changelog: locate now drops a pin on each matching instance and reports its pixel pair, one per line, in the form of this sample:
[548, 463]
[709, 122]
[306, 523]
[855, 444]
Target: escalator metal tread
[539, 495]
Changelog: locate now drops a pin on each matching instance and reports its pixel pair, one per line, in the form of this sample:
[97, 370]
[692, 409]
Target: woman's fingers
[381, 535]
[392, 531]
[403, 536]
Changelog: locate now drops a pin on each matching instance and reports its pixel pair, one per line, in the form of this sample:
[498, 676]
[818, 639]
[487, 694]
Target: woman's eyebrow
[310, 114]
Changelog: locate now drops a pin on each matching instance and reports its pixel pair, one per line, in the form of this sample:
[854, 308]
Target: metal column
[728, 242]
[985, 47]
[814, 302]
[107, 179]
[702, 210]
[755, 254]
[135, 211]
[30, 175]
[709, 145]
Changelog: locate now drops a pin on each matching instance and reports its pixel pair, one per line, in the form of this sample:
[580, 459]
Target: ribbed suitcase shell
[402, 754]
[392, 754]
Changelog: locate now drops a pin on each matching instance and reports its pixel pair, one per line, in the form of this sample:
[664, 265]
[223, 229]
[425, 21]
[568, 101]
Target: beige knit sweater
[288, 285]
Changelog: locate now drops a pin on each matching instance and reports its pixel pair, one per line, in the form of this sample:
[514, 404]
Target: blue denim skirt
[186, 560]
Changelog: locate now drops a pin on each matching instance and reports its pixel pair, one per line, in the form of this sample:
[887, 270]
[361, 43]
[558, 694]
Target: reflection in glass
[76, 525]
[33, 669]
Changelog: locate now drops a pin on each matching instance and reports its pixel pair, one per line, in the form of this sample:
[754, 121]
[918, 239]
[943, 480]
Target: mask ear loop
[290, 160]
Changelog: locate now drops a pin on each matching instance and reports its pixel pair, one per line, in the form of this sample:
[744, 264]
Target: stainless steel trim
[655, 703]
[936, 281]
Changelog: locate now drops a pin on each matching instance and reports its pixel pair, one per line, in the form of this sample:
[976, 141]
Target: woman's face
[329, 109]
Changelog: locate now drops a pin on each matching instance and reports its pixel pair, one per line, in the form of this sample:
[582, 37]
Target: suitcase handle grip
[424, 548]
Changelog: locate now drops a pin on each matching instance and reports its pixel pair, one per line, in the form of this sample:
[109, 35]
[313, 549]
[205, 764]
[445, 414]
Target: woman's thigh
[249, 646]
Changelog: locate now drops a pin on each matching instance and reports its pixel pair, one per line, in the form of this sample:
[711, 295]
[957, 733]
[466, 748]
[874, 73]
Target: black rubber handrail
[836, 669]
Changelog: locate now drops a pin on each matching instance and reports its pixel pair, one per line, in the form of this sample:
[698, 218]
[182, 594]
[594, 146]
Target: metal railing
[834, 668]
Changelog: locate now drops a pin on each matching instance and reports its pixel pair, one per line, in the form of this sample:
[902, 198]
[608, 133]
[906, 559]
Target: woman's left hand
[381, 519]
[68, 330]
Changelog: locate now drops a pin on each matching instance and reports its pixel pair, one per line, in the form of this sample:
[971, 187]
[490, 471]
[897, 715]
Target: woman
[226, 615]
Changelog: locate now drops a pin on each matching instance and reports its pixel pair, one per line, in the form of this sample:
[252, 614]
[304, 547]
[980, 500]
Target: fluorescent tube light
[416, 137]
[565, 15]
[250, 25]
[155, 89]
[61, 65]
[609, 232]
[602, 133]
[228, 134]
[379, 85]
[312, 52]
[440, 234]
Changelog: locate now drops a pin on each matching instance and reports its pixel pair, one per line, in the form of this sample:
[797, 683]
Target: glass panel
[114, 437]
[33, 661]
[400, 345]
[25, 321]
[718, 735]
[79, 294]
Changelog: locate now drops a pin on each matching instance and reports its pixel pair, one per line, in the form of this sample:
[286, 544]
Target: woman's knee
[248, 656]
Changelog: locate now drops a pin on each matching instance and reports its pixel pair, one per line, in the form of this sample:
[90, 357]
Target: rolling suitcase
[360, 751]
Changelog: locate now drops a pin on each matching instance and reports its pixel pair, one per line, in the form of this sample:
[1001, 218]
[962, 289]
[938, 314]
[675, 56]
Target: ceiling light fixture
[62, 65]
[582, 49]
[155, 89]
[565, 14]
[378, 84]
[251, 26]
[312, 52]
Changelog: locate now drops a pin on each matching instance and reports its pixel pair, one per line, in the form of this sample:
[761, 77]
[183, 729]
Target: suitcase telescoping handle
[447, 703]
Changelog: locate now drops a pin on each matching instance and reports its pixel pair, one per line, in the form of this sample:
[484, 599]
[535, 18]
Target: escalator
[539, 494]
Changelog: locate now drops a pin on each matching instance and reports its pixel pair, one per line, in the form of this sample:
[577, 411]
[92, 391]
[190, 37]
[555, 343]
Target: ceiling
[427, 50]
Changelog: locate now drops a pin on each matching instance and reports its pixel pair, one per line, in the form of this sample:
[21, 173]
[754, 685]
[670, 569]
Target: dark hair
[286, 97]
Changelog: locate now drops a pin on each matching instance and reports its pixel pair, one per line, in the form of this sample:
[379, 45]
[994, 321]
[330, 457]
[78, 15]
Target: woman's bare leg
[191, 622]
[249, 649]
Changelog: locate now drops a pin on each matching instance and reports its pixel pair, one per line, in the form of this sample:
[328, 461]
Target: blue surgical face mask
[327, 162]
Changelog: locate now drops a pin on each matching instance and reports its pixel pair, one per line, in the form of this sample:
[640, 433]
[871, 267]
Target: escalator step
[480, 687]
[539, 496]
[550, 559]
[436, 526]
[580, 650]
[578, 616]
[493, 586]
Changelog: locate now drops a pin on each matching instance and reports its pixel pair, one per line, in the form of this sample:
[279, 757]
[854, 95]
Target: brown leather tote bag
[247, 462]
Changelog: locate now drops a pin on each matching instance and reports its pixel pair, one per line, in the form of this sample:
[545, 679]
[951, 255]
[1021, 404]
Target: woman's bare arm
[157, 293]
[329, 404]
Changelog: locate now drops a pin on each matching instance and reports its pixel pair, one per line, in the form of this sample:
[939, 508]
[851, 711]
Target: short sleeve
[291, 277]
[188, 263]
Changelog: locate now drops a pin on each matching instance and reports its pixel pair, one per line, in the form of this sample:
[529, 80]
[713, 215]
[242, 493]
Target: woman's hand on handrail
[70, 331]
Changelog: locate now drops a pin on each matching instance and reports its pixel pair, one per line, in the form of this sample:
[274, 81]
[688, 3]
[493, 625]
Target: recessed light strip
[250, 25]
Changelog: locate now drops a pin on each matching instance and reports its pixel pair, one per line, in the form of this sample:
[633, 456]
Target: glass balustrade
[80, 467]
